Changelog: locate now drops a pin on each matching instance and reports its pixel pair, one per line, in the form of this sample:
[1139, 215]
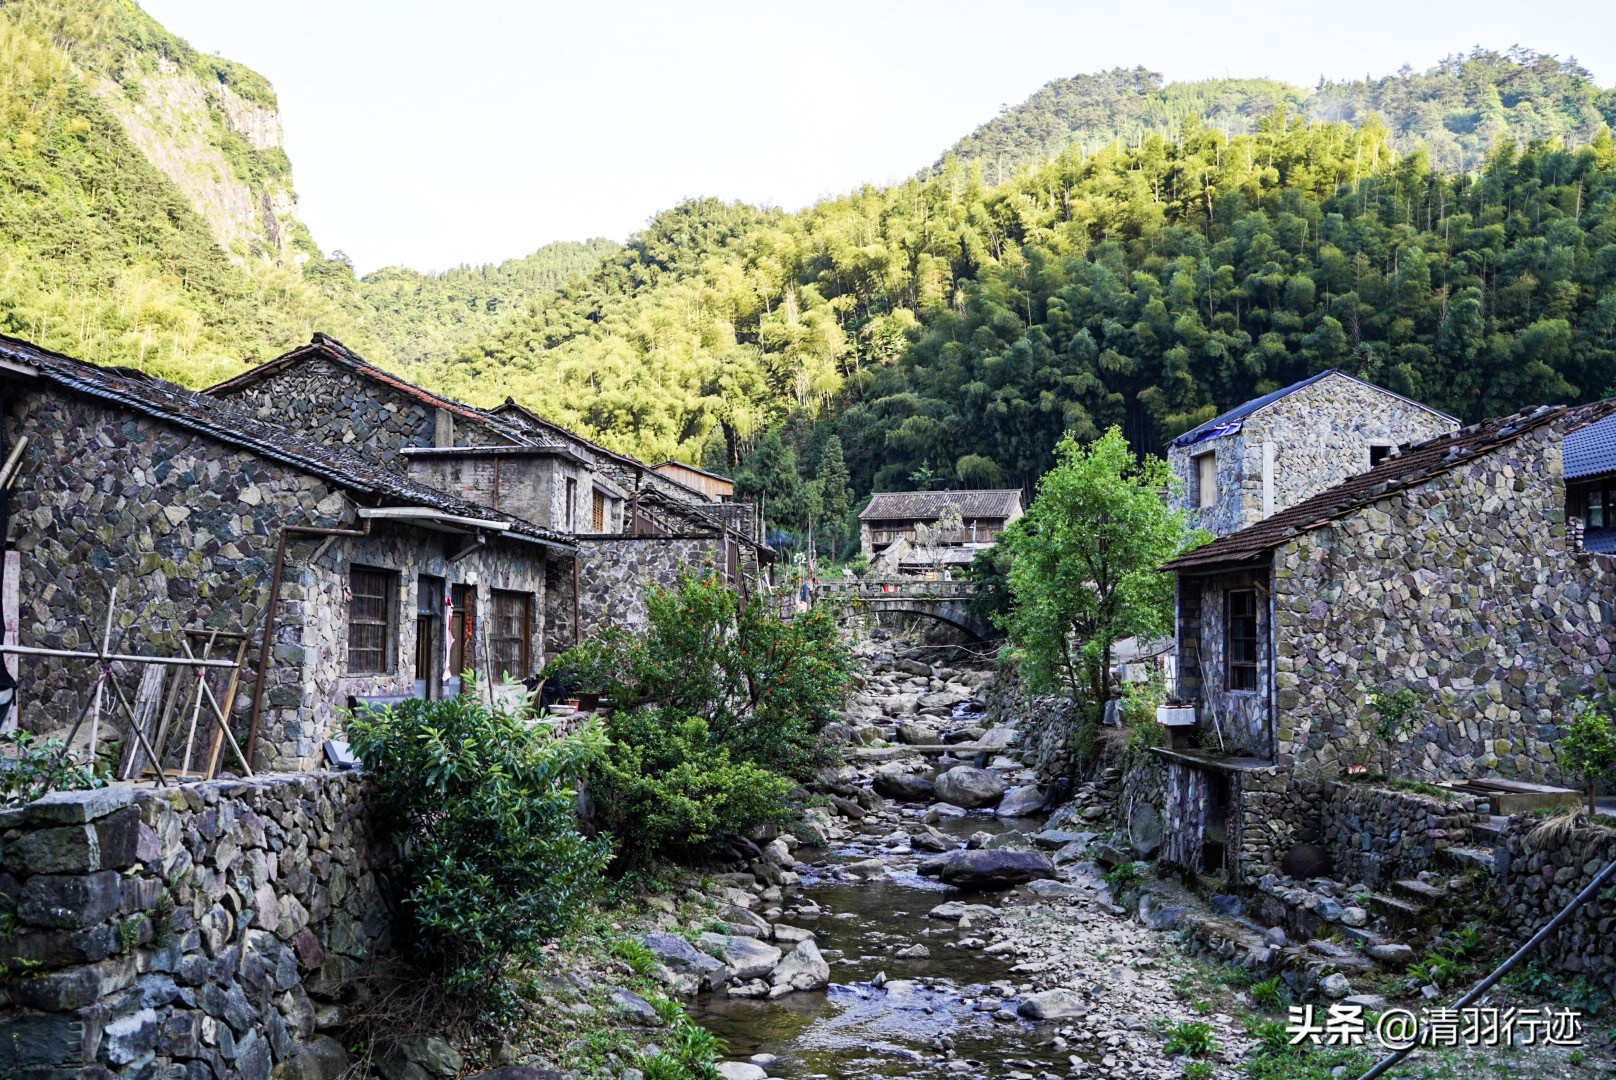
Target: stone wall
[1237, 721]
[1320, 435]
[1048, 726]
[1464, 588]
[186, 529]
[1376, 835]
[615, 572]
[341, 407]
[1536, 876]
[194, 931]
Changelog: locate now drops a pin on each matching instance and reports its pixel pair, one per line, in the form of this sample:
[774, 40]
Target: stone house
[894, 516]
[1279, 449]
[1460, 567]
[350, 578]
[629, 525]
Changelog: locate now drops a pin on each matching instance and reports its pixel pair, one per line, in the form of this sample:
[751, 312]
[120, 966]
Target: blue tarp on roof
[1591, 450]
[1229, 423]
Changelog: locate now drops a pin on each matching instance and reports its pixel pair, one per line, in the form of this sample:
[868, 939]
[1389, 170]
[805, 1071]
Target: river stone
[953, 909]
[802, 969]
[1390, 953]
[633, 1008]
[747, 958]
[863, 870]
[902, 787]
[1335, 985]
[969, 787]
[997, 738]
[1049, 888]
[1057, 1004]
[1020, 802]
[740, 1070]
[1145, 830]
[786, 934]
[1051, 839]
[941, 812]
[915, 734]
[681, 957]
[929, 839]
[985, 869]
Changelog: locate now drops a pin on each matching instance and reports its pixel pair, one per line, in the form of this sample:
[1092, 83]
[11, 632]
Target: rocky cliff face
[221, 150]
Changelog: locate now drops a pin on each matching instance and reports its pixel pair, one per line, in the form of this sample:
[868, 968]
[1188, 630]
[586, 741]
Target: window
[509, 634]
[597, 512]
[1377, 454]
[572, 504]
[1206, 479]
[370, 620]
[1241, 641]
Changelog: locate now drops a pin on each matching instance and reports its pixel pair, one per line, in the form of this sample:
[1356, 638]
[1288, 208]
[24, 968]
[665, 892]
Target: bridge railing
[897, 589]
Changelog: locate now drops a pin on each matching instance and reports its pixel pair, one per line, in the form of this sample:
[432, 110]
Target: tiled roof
[1228, 423]
[227, 423]
[929, 505]
[1591, 450]
[325, 347]
[1410, 466]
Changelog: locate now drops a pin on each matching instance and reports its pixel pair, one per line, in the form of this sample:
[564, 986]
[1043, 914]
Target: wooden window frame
[599, 511]
[1206, 495]
[500, 641]
[1240, 673]
[361, 619]
[571, 489]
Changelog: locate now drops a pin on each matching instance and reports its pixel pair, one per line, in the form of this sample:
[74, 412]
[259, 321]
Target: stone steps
[1399, 913]
[1418, 893]
[1469, 858]
[1491, 830]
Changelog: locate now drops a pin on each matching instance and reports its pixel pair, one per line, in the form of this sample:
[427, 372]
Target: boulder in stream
[1057, 1004]
[988, 869]
[1021, 802]
[746, 958]
[902, 786]
[802, 969]
[681, 957]
[969, 787]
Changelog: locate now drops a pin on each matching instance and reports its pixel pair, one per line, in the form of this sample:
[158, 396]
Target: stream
[936, 1016]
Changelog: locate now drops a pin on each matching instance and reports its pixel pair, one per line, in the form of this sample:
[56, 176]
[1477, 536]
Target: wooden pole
[128, 658]
[106, 647]
[196, 711]
[230, 701]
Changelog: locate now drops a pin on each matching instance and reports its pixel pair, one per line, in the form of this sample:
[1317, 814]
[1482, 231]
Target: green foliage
[1192, 1038]
[1270, 993]
[667, 788]
[641, 961]
[1124, 876]
[1085, 561]
[1395, 712]
[1587, 747]
[1539, 980]
[30, 768]
[1456, 111]
[1199, 1070]
[764, 686]
[482, 809]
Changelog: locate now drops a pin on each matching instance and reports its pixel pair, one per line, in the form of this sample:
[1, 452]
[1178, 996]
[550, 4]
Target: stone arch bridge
[945, 601]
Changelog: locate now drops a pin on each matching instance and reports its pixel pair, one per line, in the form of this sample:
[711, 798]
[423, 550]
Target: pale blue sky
[430, 134]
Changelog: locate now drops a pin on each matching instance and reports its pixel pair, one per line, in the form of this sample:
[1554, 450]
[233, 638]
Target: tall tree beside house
[770, 477]
[1588, 747]
[1084, 564]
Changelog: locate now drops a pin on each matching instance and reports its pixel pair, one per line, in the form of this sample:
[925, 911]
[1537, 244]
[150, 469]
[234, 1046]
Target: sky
[428, 134]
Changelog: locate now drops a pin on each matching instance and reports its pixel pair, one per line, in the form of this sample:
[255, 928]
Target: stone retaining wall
[1377, 835]
[615, 572]
[1535, 877]
[1048, 725]
[190, 931]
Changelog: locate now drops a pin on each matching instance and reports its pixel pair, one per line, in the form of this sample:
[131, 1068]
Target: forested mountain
[419, 316]
[1456, 111]
[106, 256]
[946, 330]
[949, 331]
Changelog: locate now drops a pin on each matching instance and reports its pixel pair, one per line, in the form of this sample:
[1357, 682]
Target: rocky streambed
[929, 919]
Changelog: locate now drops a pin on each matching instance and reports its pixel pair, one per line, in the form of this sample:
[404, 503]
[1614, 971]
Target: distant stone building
[186, 504]
[1279, 449]
[905, 522]
[1470, 568]
[718, 488]
[630, 525]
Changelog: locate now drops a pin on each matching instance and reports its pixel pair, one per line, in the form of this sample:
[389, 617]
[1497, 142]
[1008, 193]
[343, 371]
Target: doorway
[462, 624]
[429, 637]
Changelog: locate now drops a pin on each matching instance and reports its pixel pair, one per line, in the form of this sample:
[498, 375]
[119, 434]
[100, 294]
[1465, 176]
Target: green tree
[835, 494]
[1084, 565]
[771, 477]
[1588, 746]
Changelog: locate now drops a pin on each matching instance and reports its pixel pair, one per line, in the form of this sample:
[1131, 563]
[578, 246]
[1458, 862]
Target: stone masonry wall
[341, 407]
[1464, 588]
[615, 572]
[1321, 434]
[1534, 877]
[193, 931]
[1376, 835]
[1047, 724]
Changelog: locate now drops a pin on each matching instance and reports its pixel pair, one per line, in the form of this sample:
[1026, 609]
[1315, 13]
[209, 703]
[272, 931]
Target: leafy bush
[1270, 993]
[29, 769]
[664, 787]
[482, 809]
[1123, 876]
[1190, 1037]
[764, 687]
[1588, 745]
